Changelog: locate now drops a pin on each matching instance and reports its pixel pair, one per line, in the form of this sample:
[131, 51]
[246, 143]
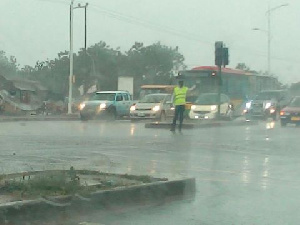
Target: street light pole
[269, 33]
[270, 10]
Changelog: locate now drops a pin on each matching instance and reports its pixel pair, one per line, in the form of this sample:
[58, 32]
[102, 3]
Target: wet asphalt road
[245, 174]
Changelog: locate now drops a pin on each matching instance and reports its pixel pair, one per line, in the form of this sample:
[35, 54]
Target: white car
[206, 107]
[153, 106]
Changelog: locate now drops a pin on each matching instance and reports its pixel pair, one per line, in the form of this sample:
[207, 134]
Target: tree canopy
[101, 64]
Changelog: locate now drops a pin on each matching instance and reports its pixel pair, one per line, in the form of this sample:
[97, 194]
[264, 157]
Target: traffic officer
[179, 100]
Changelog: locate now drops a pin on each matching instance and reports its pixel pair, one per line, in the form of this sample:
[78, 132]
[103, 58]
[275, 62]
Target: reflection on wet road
[241, 171]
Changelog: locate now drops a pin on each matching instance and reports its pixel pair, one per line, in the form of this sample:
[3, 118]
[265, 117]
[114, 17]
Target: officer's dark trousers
[179, 110]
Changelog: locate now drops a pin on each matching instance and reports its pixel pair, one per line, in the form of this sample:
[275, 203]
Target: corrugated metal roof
[23, 86]
[28, 85]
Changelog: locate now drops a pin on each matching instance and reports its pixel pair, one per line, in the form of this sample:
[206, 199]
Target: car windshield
[153, 98]
[268, 95]
[103, 97]
[295, 102]
[207, 99]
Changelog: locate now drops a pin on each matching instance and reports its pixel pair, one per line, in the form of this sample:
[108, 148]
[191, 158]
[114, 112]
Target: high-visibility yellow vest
[180, 95]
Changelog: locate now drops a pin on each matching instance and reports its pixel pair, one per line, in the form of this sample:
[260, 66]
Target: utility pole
[71, 59]
[85, 26]
[71, 50]
[269, 40]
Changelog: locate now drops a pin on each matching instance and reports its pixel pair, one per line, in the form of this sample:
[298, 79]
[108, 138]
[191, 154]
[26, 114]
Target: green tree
[102, 65]
[8, 65]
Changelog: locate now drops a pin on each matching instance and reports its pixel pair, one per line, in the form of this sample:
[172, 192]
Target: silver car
[153, 106]
[267, 104]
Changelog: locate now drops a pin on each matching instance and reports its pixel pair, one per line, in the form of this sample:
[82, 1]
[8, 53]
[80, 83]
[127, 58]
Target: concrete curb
[65, 206]
[201, 125]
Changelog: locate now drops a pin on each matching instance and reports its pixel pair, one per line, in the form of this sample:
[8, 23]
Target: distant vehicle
[267, 104]
[291, 113]
[109, 104]
[239, 85]
[206, 107]
[153, 106]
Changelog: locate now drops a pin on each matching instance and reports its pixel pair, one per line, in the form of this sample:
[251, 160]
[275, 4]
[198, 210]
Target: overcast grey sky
[35, 30]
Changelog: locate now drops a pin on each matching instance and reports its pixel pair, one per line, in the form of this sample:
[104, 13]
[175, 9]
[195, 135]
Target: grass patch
[45, 184]
[65, 182]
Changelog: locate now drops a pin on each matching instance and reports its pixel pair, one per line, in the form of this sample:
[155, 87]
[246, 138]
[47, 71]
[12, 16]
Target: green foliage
[102, 65]
[8, 65]
[45, 184]
[242, 66]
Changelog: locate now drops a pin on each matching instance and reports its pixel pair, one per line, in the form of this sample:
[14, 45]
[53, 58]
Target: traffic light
[218, 53]
[221, 54]
[225, 57]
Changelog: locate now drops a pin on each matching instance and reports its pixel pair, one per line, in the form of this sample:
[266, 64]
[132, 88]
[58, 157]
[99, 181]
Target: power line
[165, 29]
[144, 23]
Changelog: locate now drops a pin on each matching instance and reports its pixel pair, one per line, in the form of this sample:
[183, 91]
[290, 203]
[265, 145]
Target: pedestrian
[179, 100]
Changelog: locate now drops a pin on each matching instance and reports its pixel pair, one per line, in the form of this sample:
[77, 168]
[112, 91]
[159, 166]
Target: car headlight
[156, 108]
[268, 105]
[132, 108]
[193, 107]
[102, 106]
[213, 108]
[248, 105]
[81, 106]
[272, 110]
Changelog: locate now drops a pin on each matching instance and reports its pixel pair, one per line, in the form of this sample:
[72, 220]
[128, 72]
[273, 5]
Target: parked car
[206, 107]
[109, 104]
[267, 104]
[153, 106]
[291, 113]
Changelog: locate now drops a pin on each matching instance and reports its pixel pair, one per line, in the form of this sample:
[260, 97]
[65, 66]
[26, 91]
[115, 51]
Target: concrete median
[59, 208]
[202, 124]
